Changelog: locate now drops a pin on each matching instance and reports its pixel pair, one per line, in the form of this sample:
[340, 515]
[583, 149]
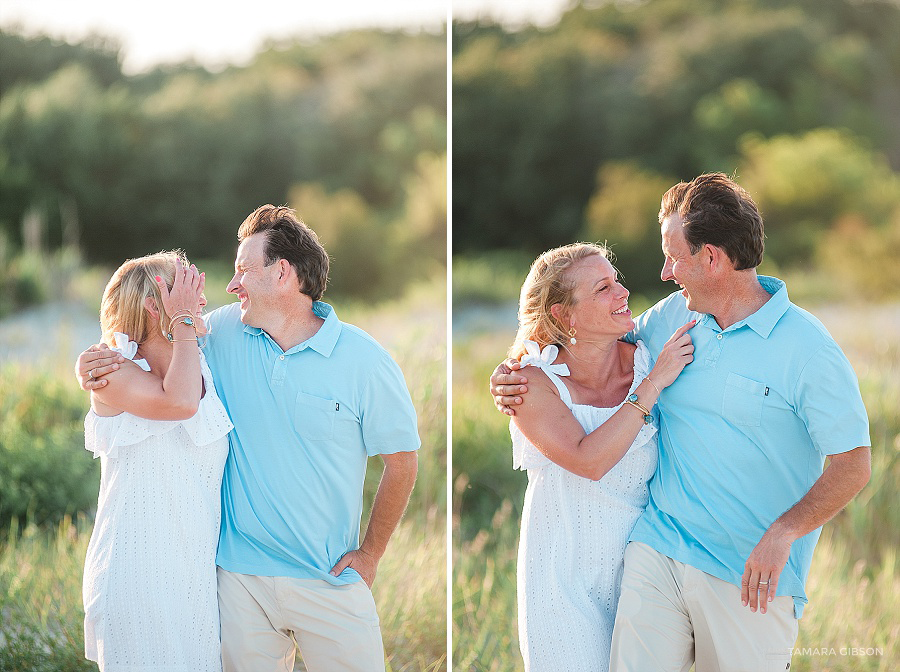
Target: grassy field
[853, 620]
[41, 565]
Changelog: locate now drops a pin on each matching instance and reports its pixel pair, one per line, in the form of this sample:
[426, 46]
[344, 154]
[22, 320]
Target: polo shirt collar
[763, 321]
[324, 340]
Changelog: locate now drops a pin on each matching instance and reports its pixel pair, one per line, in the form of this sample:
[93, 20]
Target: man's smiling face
[684, 268]
[253, 281]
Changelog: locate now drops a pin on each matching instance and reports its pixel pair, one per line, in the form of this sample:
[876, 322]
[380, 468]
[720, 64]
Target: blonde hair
[546, 285]
[122, 308]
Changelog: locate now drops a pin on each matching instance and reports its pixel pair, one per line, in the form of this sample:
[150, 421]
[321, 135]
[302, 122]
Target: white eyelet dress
[150, 572]
[573, 538]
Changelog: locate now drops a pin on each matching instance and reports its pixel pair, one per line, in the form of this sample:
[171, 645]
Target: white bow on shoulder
[128, 349]
[543, 359]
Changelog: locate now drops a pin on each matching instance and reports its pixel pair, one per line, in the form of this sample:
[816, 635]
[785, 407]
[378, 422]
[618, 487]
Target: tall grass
[854, 578]
[42, 615]
[41, 564]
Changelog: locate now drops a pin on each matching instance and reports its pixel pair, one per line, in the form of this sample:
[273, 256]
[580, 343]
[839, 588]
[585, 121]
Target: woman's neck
[591, 362]
[157, 351]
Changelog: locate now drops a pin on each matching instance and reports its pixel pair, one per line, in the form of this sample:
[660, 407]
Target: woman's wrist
[647, 391]
[182, 332]
[182, 327]
[182, 312]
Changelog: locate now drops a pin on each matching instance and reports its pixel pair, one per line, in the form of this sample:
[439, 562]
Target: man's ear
[287, 274]
[151, 307]
[716, 259]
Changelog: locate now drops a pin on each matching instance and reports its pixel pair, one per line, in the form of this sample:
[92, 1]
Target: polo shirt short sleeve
[832, 409]
[744, 431]
[305, 422]
[384, 393]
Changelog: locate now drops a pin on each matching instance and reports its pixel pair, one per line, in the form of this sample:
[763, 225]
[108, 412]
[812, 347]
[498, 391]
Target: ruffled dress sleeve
[104, 436]
[525, 455]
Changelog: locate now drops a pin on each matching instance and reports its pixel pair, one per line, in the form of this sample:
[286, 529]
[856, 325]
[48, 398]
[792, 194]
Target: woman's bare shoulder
[118, 385]
[538, 382]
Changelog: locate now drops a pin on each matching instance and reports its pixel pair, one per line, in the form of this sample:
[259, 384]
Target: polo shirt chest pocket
[315, 417]
[744, 400]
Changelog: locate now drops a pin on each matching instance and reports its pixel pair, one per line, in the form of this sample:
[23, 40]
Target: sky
[220, 33]
[511, 12]
[212, 33]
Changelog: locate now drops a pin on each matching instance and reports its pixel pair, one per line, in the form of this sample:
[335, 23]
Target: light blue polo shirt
[305, 421]
[744, 431]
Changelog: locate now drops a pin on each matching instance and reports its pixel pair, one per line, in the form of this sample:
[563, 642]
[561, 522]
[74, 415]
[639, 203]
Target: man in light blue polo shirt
[311, 398]
[739, 495]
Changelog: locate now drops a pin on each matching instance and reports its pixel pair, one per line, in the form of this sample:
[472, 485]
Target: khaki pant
[671, 615]
[335, 627]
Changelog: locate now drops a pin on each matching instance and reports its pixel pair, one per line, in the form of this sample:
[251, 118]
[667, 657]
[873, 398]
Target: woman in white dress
[161, 434]
[586, 435]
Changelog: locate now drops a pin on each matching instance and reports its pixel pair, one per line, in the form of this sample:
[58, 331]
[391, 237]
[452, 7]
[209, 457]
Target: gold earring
[572, 335]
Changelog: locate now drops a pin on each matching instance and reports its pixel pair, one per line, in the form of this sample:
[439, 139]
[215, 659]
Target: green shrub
[31, 278]
[483, 475]
[23, 280]
[489, 277]
[825, 188]
[44, 470]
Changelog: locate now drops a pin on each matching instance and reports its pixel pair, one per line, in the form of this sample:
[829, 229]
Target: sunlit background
[172, 31]
[511, 13]
[129, 128]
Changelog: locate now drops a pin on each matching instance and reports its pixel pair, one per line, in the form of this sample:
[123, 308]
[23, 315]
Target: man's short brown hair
[718, 211]
[288, 238]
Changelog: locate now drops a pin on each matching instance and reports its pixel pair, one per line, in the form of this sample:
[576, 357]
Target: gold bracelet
[633, 400]
[647, 378]
[186, 320]
[181, 340]
[181, 314]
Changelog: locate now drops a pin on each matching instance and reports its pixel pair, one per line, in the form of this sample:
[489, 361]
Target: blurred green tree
[623, 214]
[667, 86]
[178, 156]
[351, 233]
[806, 185]
[27, 59]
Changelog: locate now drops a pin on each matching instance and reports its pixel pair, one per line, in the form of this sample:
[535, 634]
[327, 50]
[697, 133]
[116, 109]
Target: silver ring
[91, 374]
[764, 583]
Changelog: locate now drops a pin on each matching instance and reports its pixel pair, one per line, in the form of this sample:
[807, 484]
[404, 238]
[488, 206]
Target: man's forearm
[842, 479]
[390, 501]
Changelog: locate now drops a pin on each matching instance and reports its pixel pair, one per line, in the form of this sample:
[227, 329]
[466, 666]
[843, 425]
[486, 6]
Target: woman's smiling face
[600, 301]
